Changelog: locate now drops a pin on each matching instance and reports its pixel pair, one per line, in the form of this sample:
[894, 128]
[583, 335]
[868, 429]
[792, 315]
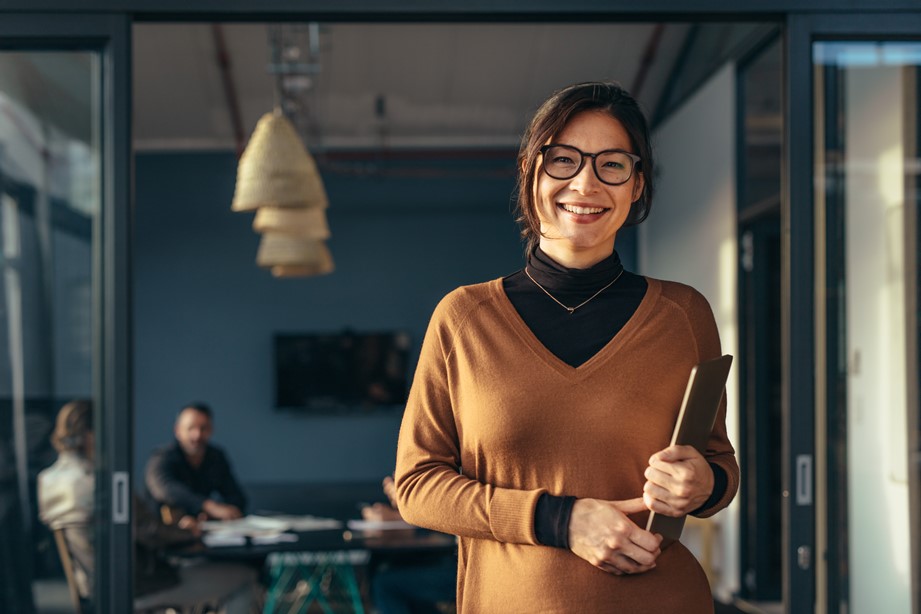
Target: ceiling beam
[469, 10]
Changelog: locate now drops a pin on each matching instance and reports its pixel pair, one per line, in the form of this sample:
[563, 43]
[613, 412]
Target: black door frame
[108, 35]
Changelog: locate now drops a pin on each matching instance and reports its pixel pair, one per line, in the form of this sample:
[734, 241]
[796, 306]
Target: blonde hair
[74, 422]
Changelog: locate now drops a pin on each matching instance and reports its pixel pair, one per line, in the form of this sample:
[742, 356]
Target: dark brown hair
[74, 422]
[549, 121]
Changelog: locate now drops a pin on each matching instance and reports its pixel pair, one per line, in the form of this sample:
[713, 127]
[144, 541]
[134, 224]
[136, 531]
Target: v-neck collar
[629, 329]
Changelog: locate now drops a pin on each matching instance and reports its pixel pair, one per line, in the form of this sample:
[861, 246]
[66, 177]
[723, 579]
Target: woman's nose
[585, 181]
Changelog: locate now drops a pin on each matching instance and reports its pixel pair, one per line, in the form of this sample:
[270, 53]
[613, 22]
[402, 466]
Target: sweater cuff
[551, 520]
[720, 483]
[511, 515]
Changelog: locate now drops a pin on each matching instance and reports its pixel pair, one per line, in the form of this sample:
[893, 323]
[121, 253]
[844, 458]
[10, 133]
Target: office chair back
[68, 564]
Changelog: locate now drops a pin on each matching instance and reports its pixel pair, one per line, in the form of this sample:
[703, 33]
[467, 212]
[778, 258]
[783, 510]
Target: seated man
[192, 476]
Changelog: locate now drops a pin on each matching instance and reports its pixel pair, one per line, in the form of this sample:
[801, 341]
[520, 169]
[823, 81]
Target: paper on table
[309, 523]
[378, 525]
[247, 525]
[253, 525]
[275, 539]
[219, 539]
[213, 540]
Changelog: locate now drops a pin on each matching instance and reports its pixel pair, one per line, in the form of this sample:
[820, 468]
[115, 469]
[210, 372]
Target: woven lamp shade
[276, 170]
[293, 256]
[309, 223]
[301, 270]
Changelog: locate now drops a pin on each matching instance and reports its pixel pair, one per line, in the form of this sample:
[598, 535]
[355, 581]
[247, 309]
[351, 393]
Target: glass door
[49, 210]
[64, 448]
[866, 97]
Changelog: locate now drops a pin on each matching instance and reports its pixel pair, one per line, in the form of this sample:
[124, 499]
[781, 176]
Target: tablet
[693, 427]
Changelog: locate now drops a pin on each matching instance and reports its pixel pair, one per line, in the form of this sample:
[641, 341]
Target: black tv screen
[341, 371]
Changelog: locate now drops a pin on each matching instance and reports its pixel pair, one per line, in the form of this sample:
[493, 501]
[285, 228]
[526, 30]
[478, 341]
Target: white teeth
[582, 210]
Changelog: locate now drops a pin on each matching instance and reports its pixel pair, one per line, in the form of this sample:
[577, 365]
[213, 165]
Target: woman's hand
[601, 533]
[679, 480]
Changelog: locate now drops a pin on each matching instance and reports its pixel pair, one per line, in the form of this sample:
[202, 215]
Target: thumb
[674, 453]
[631, 506]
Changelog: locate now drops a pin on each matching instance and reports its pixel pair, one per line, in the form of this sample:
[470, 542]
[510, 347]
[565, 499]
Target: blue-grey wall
[205, 314]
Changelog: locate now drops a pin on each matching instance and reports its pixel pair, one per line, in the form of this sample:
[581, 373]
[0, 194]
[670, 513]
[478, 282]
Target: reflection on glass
[49, 199]
[868, 112]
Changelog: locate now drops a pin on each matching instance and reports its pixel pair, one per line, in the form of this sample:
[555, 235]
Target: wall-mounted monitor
[341, 372]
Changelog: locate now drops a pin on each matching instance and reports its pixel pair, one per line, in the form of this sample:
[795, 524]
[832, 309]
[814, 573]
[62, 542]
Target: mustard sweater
[494, 420]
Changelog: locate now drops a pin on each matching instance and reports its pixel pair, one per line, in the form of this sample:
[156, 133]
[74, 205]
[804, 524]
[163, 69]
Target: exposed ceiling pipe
[230, 91]
[649, 56]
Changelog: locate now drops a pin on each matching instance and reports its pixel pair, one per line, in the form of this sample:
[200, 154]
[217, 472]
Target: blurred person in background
[66, 490]
[191, 476]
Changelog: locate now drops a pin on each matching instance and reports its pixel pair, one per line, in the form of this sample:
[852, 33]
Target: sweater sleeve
[719, 449]
[432, 490]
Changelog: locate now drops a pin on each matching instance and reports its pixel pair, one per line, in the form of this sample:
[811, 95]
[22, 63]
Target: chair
[67, 563]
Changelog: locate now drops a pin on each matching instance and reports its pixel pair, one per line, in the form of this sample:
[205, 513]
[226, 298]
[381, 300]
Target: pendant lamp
[276, 170]
[288, 255]
[279, 180]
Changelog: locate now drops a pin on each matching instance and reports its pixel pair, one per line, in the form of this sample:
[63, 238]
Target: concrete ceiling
[387, 85]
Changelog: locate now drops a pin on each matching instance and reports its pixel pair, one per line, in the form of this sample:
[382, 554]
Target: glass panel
[49, 202]
[867, 113]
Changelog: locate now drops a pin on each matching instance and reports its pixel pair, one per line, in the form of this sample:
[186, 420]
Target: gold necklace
[583, 303]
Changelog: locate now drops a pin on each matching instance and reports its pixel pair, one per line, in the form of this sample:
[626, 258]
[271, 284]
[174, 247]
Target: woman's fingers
[602, 534]
[679, 480]
[630, 506]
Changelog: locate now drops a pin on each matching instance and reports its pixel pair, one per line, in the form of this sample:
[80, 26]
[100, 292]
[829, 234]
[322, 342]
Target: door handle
[120, 499]
[804, 557]
[804, 479]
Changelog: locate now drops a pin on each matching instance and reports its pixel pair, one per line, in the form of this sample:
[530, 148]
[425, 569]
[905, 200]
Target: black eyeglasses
[612, 166]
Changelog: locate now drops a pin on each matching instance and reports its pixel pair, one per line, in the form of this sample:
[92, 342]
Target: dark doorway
[760, 417]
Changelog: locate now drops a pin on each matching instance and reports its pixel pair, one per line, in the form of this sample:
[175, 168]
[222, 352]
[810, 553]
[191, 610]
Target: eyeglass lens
[564, 162]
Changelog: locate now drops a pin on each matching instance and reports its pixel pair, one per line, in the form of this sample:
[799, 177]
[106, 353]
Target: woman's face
[579, 217]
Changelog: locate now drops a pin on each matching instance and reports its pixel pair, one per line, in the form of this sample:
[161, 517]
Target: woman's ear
[638, 186]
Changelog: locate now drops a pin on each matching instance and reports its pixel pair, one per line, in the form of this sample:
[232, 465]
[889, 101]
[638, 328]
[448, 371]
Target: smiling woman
[543, 402]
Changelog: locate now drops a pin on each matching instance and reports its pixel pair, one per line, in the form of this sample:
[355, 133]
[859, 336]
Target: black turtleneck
[577, 337]
[574, 338]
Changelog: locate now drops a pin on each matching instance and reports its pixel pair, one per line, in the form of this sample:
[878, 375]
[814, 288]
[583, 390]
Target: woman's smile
[583, 213]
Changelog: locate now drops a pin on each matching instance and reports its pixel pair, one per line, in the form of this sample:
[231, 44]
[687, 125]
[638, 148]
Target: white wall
[690, 237]
[877, 444]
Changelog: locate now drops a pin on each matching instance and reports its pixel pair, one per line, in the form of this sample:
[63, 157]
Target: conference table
[318, 566]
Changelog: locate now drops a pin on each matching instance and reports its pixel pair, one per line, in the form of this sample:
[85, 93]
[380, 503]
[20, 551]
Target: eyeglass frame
[594, 156]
